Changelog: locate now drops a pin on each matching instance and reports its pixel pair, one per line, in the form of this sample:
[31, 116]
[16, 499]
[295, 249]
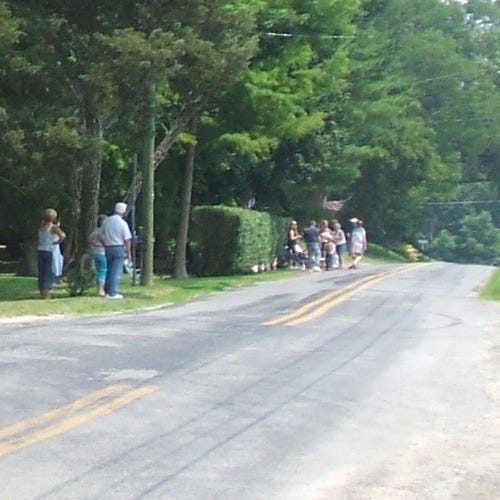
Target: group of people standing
[110, 243]
[326, 245]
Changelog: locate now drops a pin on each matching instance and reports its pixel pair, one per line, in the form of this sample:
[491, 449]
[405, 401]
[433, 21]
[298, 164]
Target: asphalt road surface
[379, 383]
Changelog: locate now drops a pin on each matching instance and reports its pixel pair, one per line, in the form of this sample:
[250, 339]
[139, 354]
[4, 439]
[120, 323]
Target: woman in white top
[327, 245]
[50, 235]
[340, 242]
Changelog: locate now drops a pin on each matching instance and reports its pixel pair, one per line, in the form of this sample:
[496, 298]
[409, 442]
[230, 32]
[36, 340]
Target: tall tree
[275, 137]
[217, 43]
[73, 107]
[181, 242]
[413, 91]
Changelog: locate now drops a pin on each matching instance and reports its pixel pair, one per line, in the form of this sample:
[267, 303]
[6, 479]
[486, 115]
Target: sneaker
[115, 296]
[317, 268]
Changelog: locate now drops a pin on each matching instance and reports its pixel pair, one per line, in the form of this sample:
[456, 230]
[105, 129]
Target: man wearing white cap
[117, 243]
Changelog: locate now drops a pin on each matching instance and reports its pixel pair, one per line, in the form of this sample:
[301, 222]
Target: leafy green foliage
[233, 240]
[380, 252]
[394, 102]
[476, 241]
[274, 129]
[80, 277]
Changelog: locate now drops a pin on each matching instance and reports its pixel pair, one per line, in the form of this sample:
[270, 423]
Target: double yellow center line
[318, 307]
[55, 422]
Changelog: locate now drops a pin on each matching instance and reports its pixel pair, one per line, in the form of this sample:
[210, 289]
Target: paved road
[380, 383]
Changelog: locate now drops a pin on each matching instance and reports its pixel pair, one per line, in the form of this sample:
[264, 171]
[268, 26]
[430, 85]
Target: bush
[231, 240]
[80, 277]
[408, 251]
[375, 250]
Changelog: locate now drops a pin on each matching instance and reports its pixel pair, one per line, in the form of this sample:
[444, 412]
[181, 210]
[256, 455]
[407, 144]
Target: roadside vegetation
[383, 110]
[19, 294]
[491, 290]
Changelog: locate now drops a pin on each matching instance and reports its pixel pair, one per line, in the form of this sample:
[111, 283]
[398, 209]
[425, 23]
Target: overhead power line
[441, 77]
[290, 35]
[462, 202]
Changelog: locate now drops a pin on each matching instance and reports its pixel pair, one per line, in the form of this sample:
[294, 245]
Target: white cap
[120, 208]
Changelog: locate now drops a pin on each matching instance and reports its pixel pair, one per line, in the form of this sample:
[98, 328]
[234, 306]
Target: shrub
[408, 251]
[231, 240]
[80, 277]
[375, 250]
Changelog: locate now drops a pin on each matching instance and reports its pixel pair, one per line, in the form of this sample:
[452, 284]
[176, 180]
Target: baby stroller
[297, 258]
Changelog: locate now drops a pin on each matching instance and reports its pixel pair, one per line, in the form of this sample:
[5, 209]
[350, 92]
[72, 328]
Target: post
[148, 186]
[133, 221]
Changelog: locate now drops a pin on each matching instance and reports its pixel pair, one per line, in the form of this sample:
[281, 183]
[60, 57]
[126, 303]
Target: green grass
[378, 252]
[491, 290]
[19, 295]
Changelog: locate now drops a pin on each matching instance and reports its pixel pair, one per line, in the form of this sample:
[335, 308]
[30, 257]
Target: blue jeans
[314, 251]
[46, 277]
[115, 255]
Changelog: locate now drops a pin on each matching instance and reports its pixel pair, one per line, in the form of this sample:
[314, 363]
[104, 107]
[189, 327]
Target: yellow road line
[22, 441]
[320, 306]
[76, 405]
[309, 306]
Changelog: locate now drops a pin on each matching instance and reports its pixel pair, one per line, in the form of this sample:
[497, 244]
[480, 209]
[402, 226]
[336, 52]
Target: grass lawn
[19, 295]
[491, 291]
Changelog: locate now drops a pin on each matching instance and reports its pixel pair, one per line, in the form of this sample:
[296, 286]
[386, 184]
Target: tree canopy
[391, 104]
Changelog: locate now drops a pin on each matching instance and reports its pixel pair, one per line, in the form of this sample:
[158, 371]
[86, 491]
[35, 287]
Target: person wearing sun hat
[358, 242]
[118, 247]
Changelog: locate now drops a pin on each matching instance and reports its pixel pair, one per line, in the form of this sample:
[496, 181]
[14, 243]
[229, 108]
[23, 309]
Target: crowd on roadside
[316, 248]
[326, 246]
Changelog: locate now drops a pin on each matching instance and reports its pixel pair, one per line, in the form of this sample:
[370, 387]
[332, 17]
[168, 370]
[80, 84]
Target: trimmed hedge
[231, 240]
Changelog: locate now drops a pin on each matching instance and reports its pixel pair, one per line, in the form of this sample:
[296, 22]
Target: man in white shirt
[118, 246]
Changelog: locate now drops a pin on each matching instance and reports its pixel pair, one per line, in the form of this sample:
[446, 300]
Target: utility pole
[148, 185]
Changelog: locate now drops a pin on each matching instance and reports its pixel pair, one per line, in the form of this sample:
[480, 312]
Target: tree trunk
[180, 270]
[85, 190]
[28, 265]
[91, 184]
[160, 154]
[148, 188]
[72, 226]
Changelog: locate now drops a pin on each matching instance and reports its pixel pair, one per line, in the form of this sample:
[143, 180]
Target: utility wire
[442, 77]
[290, 35]
[462, 202]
